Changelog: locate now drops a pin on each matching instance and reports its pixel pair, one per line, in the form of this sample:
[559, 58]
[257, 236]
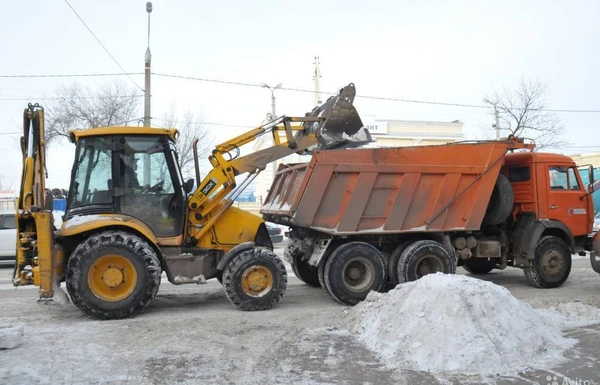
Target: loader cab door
[90, 191]
[148, 184]
[565, 203]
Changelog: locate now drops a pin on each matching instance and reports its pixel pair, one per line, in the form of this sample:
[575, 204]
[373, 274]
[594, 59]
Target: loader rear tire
[306, 273]
[501, 202]
[113, 275]
[352, 271]
[255, 279]
[551, 264]
[422, 258]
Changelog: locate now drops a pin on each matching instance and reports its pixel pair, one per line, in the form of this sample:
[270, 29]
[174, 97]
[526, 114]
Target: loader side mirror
[188, 186]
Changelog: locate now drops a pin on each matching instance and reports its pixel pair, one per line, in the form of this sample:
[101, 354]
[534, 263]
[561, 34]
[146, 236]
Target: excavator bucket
[342, 127]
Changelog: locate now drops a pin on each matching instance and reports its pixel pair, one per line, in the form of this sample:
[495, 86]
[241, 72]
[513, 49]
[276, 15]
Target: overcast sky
[446, 51]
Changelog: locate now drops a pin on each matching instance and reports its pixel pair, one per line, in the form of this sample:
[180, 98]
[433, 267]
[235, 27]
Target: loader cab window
[149, 184]
[92, 173]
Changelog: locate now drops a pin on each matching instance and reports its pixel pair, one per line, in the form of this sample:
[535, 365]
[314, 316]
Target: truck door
[564, 199]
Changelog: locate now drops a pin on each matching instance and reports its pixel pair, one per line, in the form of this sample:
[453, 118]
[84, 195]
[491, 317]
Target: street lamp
[272, 89]
[147, 63]
[147, 109]
[273, 115]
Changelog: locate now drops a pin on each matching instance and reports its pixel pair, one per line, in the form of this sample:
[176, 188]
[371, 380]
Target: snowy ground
[192, 335]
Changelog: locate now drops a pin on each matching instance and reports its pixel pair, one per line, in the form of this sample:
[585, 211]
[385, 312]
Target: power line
[255, 85]
[71, 75]
[480, 106]
[72, 98]
[99, 42]
[312, 91]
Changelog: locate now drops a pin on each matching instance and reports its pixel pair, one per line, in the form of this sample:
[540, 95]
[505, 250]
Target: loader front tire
[113, 275]
[255, 279]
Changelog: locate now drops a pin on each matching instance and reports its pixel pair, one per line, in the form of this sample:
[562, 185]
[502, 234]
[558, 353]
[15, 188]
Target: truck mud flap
[321, 246]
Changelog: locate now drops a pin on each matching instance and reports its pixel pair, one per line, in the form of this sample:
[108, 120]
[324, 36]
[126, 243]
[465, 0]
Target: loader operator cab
[134, 175]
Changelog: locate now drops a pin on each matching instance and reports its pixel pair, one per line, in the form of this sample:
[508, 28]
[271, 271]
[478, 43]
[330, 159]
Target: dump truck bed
[389, 190]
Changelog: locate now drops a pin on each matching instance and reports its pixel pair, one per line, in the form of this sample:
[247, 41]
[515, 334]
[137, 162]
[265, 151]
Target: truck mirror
[188, 186]
[591, 171]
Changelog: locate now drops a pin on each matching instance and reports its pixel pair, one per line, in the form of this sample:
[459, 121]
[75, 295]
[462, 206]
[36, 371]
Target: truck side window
[519, 174]
[558, 178]
[573, 184]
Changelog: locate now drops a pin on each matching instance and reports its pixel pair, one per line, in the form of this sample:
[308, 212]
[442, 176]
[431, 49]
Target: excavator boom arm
[36, 258]
[335, 124]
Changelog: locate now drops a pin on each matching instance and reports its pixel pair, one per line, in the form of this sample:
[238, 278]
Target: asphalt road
[191, 334]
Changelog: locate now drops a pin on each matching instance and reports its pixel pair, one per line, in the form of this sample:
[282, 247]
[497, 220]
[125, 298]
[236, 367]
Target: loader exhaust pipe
[342, 127]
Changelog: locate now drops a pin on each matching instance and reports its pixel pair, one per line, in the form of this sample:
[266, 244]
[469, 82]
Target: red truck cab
[549, 186]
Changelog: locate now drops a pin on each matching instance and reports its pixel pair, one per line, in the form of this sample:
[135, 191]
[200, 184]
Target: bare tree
[112, 104]
[191, 127]
[524, 113]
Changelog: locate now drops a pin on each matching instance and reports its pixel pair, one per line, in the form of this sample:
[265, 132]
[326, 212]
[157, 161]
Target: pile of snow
[457, 324]
[11, 337]
[576, 314]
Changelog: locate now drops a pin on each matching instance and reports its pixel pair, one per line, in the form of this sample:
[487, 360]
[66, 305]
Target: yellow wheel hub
[257, 281]
[112, 278]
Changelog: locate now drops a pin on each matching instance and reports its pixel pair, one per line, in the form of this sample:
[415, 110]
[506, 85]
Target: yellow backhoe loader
[131, 216]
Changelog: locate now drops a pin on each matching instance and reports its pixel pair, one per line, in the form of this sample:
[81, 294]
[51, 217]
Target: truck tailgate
[388, 190]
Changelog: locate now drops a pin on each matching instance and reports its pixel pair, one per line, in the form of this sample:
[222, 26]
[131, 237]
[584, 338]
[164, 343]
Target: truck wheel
[551, 265]
[352, 271]
[113, 275]
[392, 271]
[501, 202]
[479, 266]
[422, 258]
[305, 272]
[321, 273]
[255, 279]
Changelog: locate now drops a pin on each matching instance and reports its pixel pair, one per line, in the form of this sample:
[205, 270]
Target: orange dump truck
[364, 219]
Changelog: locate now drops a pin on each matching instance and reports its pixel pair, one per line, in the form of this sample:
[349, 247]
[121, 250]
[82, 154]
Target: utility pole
[317, 79]
[497, 125]
[147, 106]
